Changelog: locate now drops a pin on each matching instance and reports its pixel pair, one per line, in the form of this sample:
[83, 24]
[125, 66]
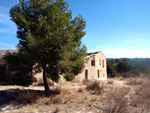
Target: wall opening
[98, 73]
[99, 61]
[86, 74]
[92, 62]
[103, 63]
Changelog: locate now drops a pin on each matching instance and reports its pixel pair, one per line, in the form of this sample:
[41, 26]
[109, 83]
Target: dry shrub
[134, 81]
[85, 81]
[81, 90]
[56, 100]
[59, 89]
[67, 89]
[110, 82]
[141, 98]
[95, 86]
[116, 101]
[24, 97]
[119, 77]
[56, 110]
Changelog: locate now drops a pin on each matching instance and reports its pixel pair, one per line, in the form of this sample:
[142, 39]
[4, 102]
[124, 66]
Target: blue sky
[118, 28]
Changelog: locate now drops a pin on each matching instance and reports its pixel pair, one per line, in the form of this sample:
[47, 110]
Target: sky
[118, 28]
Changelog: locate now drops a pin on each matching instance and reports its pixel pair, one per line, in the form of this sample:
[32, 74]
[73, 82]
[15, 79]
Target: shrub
[141, 98]
[116, 101]
[81, 90]
[94, 86]
[57, 90]
[23, 80]
[24, 97]
[110, 82]
[85, 81]
[134, 81]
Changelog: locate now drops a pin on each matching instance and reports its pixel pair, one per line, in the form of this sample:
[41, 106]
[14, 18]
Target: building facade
[95, 68]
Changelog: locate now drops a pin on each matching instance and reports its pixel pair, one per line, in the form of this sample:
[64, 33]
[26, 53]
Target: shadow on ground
[16, 98]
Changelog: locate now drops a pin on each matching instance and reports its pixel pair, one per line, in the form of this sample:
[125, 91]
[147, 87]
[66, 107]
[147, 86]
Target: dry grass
[59, 89]
[110, 82]
[23, 97]
[120, 78]
[116, 101]
[141, 98]
[134, 81]
[81, 90]
[95, 86]
[85, 81]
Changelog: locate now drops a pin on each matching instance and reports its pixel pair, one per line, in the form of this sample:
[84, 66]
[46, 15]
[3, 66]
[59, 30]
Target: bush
[85, 81]
[116, 101]
[110, 82]
[94, 86]
[134, 81]
[57, 90]
[23, 97]
[23, 80]
[69, 77]
[141, 98]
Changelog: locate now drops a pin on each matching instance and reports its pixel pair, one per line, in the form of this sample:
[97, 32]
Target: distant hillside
[3, 52]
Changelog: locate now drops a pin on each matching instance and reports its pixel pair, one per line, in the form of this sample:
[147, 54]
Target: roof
[89, 54]
[93, 53]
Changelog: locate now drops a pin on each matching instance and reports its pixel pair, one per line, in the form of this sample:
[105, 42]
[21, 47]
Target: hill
[3, 52]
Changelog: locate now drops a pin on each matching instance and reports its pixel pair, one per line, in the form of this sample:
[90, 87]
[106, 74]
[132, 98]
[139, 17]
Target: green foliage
[123, 67]
[49, 34]
[109, 68]
[69, 77]
[140, 66]
[20, 68]
[137, 66]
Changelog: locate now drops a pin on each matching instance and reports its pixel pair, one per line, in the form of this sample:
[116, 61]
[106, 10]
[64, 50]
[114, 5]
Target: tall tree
[47, 33]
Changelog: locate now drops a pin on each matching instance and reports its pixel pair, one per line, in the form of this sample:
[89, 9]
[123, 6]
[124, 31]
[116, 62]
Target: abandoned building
[95, 68]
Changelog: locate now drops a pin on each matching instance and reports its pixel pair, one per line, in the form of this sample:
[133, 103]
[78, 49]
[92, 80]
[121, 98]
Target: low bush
[95, 86]
[141, 98]
[110, 82]
[85, 81]
[134, 81]
[57, 90]
[23, 97]
[116, 101]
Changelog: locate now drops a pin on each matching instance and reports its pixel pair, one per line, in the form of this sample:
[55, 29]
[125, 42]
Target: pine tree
[49, 35]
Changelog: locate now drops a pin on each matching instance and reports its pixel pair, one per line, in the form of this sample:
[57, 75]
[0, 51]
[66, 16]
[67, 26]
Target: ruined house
[95, 68]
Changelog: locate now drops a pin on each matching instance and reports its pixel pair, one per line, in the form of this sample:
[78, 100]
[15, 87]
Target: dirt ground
[73, 99]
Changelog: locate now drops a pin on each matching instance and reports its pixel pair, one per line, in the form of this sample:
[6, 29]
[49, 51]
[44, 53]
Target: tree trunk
[46, 86]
